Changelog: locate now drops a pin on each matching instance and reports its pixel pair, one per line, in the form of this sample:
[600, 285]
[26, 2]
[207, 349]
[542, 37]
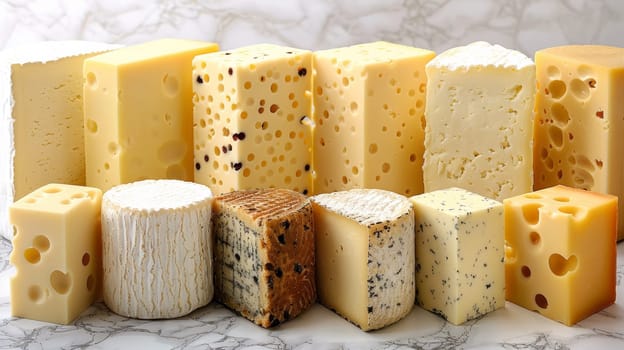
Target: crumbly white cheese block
[460, 273]
[365, 255]
[157, 248]
[479, 115]
[264, 254]
[41, 127]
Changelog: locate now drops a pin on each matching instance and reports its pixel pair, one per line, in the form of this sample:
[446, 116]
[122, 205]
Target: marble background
[318, 24]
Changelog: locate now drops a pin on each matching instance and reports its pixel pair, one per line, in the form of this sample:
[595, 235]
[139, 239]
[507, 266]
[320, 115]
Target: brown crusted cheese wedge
[264, 254]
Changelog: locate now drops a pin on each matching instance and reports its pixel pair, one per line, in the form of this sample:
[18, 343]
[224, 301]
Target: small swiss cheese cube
[56, 252]
[460, 274]
[560, 257]
[264, 254]
[368, 113]
[252, 110]
[365, 255]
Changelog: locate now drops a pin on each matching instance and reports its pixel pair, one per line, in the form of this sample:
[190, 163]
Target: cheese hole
[354, 107]
[92, 126]
[532, 196]
[86, 258]
[61, 282]
[583, 179]
[65, 201]
[206, 78]
[41, 243]
[90, 283]
[385, 167]
[170, 85]
[526, 271]
[585, 163]
[32, 255]
[35, 294]
[106, 166]
[510, 253]
[599, 163]
[274, 87]
[572, 210]
[591, 83]
[560, 265]
[30, 200]
[423, 122]
[560, 114]
[355, 170]
[372, 148]
[246, 172]
[422, 88]
[556, 136]
[549, 163]
[531, 213]
[579, 88]
[92, 80]
[535, 238]
[557, 89]
[553, 72]
[541, 301]
[345, 180]
[113, 148]
[562, 199]
[247, 85]
[14, 230]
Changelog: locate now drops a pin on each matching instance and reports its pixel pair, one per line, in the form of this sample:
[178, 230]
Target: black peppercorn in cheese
[368, 112]
[252, 124]
[264, 254]
[365, 255]
[460, 274]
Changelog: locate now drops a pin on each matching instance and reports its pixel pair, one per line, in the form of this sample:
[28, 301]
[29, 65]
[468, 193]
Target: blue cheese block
[365, 255]
[460, 273]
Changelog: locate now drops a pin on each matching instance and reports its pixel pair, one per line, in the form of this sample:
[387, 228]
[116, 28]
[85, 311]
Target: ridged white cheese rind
[480, 54]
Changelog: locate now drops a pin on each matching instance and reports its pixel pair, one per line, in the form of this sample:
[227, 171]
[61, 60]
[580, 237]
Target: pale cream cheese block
[479, 115]
[41, 123]
[460, 274]
[157, 248]
[365, 255]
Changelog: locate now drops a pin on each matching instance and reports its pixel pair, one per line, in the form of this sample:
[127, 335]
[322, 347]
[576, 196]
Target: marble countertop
[216, 327]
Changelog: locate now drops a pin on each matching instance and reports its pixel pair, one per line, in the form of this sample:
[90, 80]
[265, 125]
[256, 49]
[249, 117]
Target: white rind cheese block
[157, 248]
[460, 273]
[365, 255]
[479, 115]
[41, 123]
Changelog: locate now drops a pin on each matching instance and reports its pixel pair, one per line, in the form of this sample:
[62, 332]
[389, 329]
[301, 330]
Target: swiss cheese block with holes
[157, 248]
[138, 112]
[264, 254]
[251, 113]
[368, 113]
[365, 255]
[41, 124]
[560, 257]
[56, 252]
[479, 121]
[578, 125]
[460, 274]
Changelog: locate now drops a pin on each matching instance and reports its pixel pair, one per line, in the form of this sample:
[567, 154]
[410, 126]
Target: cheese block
[264, 254]
[41, 132]
[157, 248]
[560, 257]
[138, 113]
[578, 125]
[460, 274]
[365, 255]
[252, 109]
[368, 113]
[479, 120]
[56, 252]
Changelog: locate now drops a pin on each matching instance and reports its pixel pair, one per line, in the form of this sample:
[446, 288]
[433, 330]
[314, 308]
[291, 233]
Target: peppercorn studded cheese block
[41, 132]
[56, 252]
[560, 257]
[157, 248]
[138, 112]
[369, 102]
[365, 255]
[252, 125]
[264, 254]
[479, 115]
[578, 126]
[460, 274]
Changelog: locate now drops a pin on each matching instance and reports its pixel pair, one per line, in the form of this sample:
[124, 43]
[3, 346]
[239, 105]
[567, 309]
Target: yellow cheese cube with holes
[369, 103]
[560, 258]
[138, 112]
[578, 125]
[251, 112]
[56, 252]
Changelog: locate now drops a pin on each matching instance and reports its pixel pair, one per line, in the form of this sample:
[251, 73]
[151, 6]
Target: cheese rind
[252, 108]
[264, 254]
[157, 248]
[460, 273]
[365, 255]
[56, 252]
[561, 252]
[41, 128]
[479, 115]
[579, 104]
[369, 103]
[138, 113]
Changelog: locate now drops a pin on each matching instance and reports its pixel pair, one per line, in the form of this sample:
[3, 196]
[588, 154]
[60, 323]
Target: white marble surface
[319, 24]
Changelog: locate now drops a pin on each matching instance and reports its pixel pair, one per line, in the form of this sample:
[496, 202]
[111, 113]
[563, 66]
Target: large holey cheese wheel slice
[365, 255]
[264, 254]
[157, 248]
